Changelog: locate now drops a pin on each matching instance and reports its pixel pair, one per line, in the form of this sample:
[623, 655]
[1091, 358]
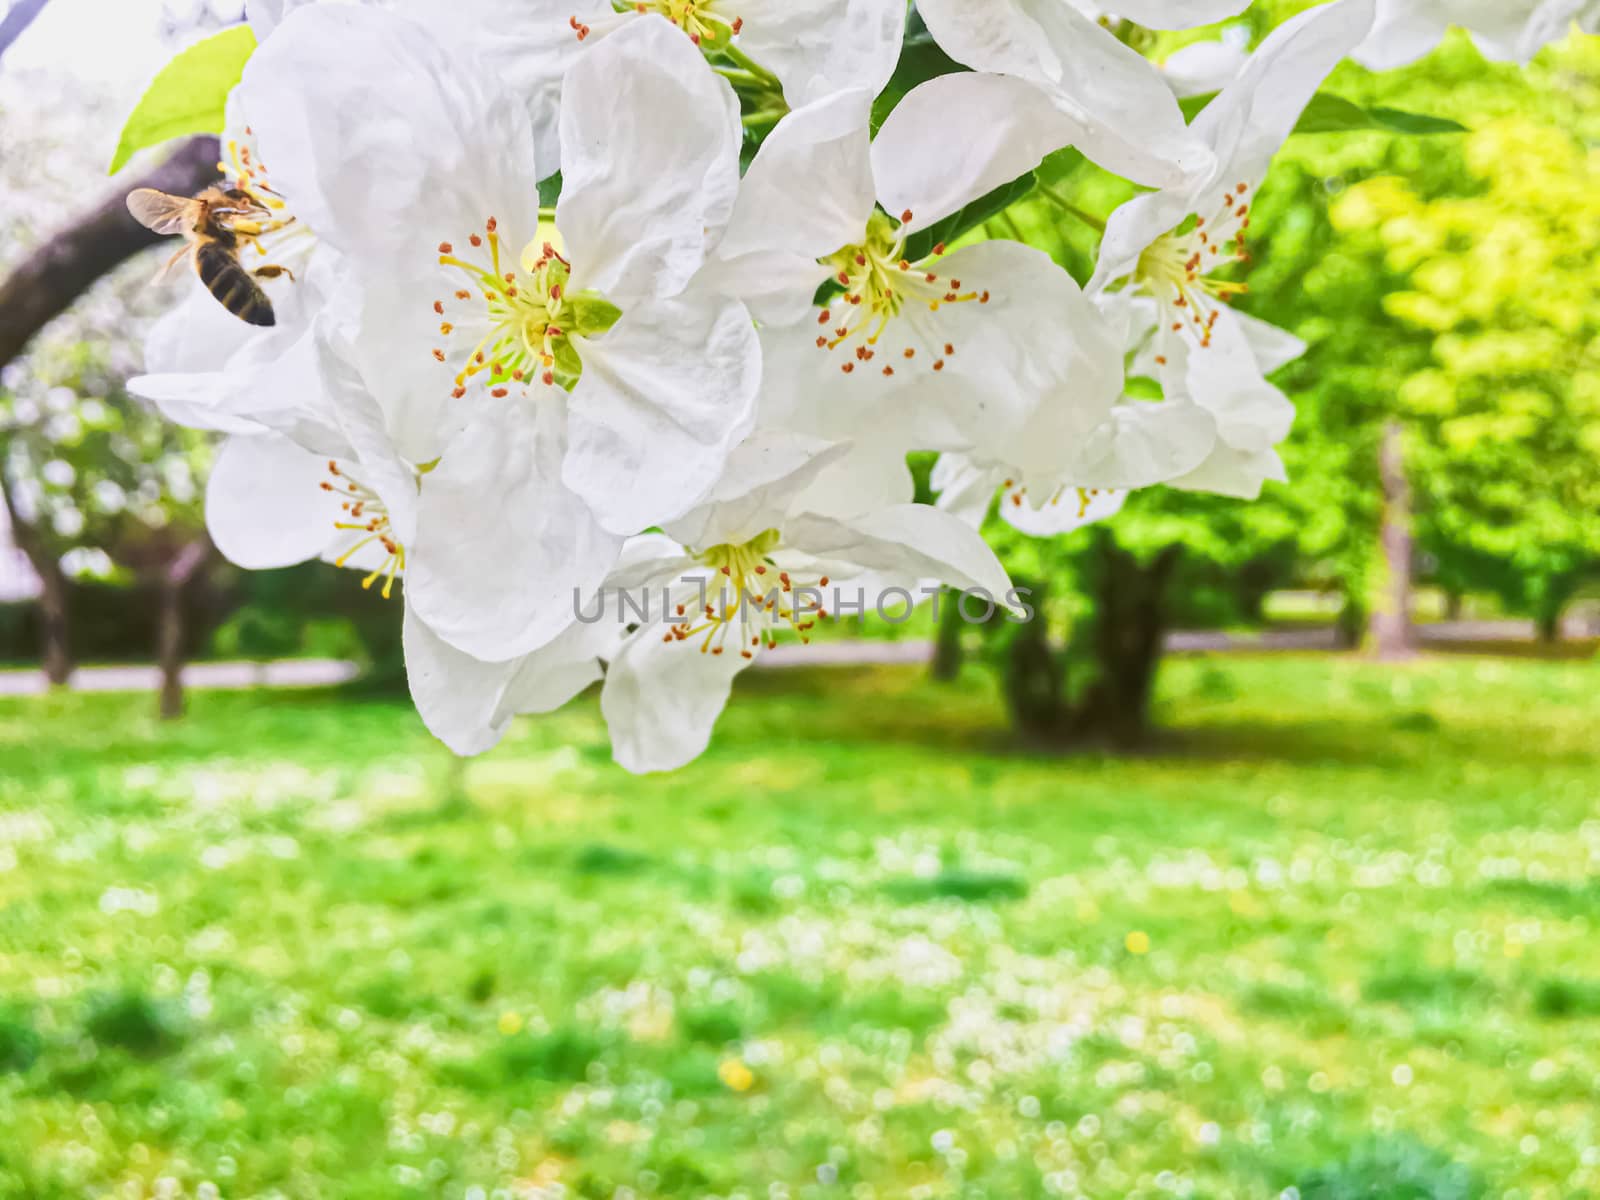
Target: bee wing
[184, 251]
[158, 211]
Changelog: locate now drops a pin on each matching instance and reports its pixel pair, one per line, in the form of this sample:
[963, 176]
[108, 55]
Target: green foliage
[189, 95]
[94, 469]
[923, 243]
[133, 1021]
[1328, 113]
[1394, 1169]
[286, 946]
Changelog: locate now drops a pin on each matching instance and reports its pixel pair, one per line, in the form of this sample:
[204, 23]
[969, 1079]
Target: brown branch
[46, 283]
[187, 561]
[18, 18]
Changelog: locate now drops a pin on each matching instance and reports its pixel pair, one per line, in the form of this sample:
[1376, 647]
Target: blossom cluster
[575, 297]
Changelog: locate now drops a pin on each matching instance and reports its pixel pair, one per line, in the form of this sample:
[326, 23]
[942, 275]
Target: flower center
[367, 518]
[1085, 496]
[697, 18]
[750, 599]
[1176, 268]
[531, 315]
[879, 283]
[268, 211]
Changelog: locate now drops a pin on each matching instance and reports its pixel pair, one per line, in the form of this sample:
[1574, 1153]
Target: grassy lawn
[1336, 940]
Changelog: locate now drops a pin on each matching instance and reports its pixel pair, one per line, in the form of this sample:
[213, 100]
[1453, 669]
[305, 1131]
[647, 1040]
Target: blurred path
[1439, 633]
[292, 673]
[308, 672]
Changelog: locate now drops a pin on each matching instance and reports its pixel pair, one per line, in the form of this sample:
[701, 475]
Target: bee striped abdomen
[233, 286]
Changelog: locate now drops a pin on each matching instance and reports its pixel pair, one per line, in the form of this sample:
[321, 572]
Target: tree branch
[187, 561]
[46, 283]
[17, 19]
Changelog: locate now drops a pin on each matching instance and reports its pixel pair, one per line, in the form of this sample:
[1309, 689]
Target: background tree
[1469, 357]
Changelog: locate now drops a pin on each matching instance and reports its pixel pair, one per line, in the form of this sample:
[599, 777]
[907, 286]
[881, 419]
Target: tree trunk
[172, 626]
[1350, 626]
[1126, 635]
[1453, 605]
[1548, 623]
[55, 641]
[947, 653]
[1393, 638]
[1034, 678]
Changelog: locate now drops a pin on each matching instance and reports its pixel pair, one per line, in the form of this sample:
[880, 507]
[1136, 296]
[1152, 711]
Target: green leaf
[1192, 105]
[190, 95]
[1328, 113]
[1415, 123]
[550, 190]
[919, 245]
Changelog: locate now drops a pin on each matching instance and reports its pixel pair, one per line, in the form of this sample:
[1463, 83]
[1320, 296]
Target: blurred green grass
[1334, 938]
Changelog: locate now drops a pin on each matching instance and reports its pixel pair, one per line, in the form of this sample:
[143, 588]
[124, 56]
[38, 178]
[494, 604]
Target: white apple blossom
[1204, 67]
[813, 48]
[967, 489]
[731, 578]
[824, 205]
[479, 399]
[1170, 245]
[1503, 30]
[475, 314]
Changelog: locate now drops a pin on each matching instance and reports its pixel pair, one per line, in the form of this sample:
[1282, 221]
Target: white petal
[1250, 119]
[1272, 347]
[650, 560]
[1203, 67]
[826, 145]
[525, 45]
[265, 15]
[467, 704]
[1224, 378]
[777, 287]
[1062, 514]
[965, 488]
[1120, 112]
[764, 478]
[808, 192]
[910, 542]
[1003, 36]
[196, 335]
[662, 698]
[1142, 444]
[272, 384]
[818, 48]
[1037, 331]
[265, 503]
[377, 464]
[1236, 473]
[650, 162]
[664, 397]
[1405, 31]
[385, 141]
[872, 475]
[1131, 228]
[957, 137]
[1244, 127]
[504, 551]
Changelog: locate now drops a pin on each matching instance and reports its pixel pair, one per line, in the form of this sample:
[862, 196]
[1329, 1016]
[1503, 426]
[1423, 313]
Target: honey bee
[215, 225]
